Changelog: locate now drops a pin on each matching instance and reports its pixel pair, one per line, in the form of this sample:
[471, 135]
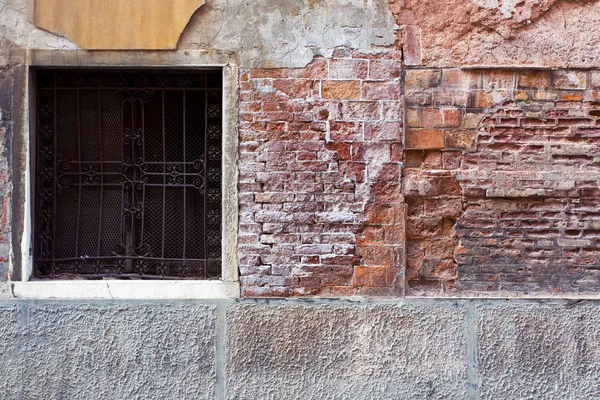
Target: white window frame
[21, 257]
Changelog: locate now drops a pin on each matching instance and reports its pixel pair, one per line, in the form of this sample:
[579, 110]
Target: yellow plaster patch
[117, 24]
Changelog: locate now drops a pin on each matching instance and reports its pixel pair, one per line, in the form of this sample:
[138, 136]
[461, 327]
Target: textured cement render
[107, 351]
[347, 352]
[278, 349]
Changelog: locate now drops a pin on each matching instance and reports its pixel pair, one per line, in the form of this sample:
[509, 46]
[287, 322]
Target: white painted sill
[126, 290]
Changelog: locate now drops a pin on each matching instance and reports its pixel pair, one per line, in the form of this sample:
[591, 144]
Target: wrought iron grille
[128, 174]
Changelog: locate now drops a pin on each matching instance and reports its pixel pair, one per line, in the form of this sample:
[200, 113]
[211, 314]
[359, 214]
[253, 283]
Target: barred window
[128, 174]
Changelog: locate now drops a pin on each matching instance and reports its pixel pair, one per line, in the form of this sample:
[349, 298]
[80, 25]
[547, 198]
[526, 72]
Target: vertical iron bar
[184, 180]
[204, 238]
[131, 194]
[101, 174]
[79, 175]
[38, 245]
[124, 233]
[164, 203]
[142, 119]
[55, 169]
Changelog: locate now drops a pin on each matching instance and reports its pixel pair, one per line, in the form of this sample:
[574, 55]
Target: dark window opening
[128, 174]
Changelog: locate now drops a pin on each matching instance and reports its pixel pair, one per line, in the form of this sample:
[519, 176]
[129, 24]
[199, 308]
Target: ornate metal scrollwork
[137, 206]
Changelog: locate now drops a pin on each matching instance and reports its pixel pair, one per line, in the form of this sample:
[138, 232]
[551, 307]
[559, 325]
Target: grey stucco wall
[268, 33]
[277, 349]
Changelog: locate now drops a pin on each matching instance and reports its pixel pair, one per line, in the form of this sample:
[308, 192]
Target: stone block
[107, 351]
[385, 69]
[304, 351]
[422, 79]
[538, 351]
[377, 90]
[460, 138]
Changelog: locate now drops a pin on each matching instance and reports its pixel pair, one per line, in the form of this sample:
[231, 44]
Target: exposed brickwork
[320, 200]
[510, 201]
[498, 189]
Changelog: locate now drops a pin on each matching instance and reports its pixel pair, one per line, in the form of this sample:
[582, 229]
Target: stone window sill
[126, 290]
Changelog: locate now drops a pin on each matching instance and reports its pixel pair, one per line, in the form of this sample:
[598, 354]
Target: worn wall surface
[448, 33]
[414, 349]
[320, 150]
[387, 148]
[552, 33]
[384, 152]
[501, 181]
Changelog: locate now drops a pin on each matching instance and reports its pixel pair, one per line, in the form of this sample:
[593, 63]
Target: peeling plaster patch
[118, 24]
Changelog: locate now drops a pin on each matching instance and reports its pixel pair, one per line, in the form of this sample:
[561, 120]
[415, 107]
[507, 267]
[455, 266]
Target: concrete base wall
[410, 349]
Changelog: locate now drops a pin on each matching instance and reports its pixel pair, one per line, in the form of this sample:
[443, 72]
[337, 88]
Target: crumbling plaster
[266, 34]
[280, 34]
[549, 33]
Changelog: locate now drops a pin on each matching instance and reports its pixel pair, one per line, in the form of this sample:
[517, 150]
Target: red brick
[340, 90]
[348, 69]
[376, 90]
[424, 138]
[534, 79]
[370, 276]
[296, 88]
[432, 118]
[385, 69]
[412, 45]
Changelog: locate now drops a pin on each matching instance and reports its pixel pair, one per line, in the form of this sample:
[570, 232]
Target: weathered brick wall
[497, 194]
[321, 210]
[502, 181]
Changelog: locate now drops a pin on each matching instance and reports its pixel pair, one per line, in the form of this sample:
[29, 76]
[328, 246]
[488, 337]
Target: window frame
[22, 150]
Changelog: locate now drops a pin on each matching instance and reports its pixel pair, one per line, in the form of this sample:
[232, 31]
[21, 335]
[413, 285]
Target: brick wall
[494, 191]
[321, 210]
[502, 181]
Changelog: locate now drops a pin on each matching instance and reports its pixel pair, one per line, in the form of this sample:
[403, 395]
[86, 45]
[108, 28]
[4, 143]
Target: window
[128, 174]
